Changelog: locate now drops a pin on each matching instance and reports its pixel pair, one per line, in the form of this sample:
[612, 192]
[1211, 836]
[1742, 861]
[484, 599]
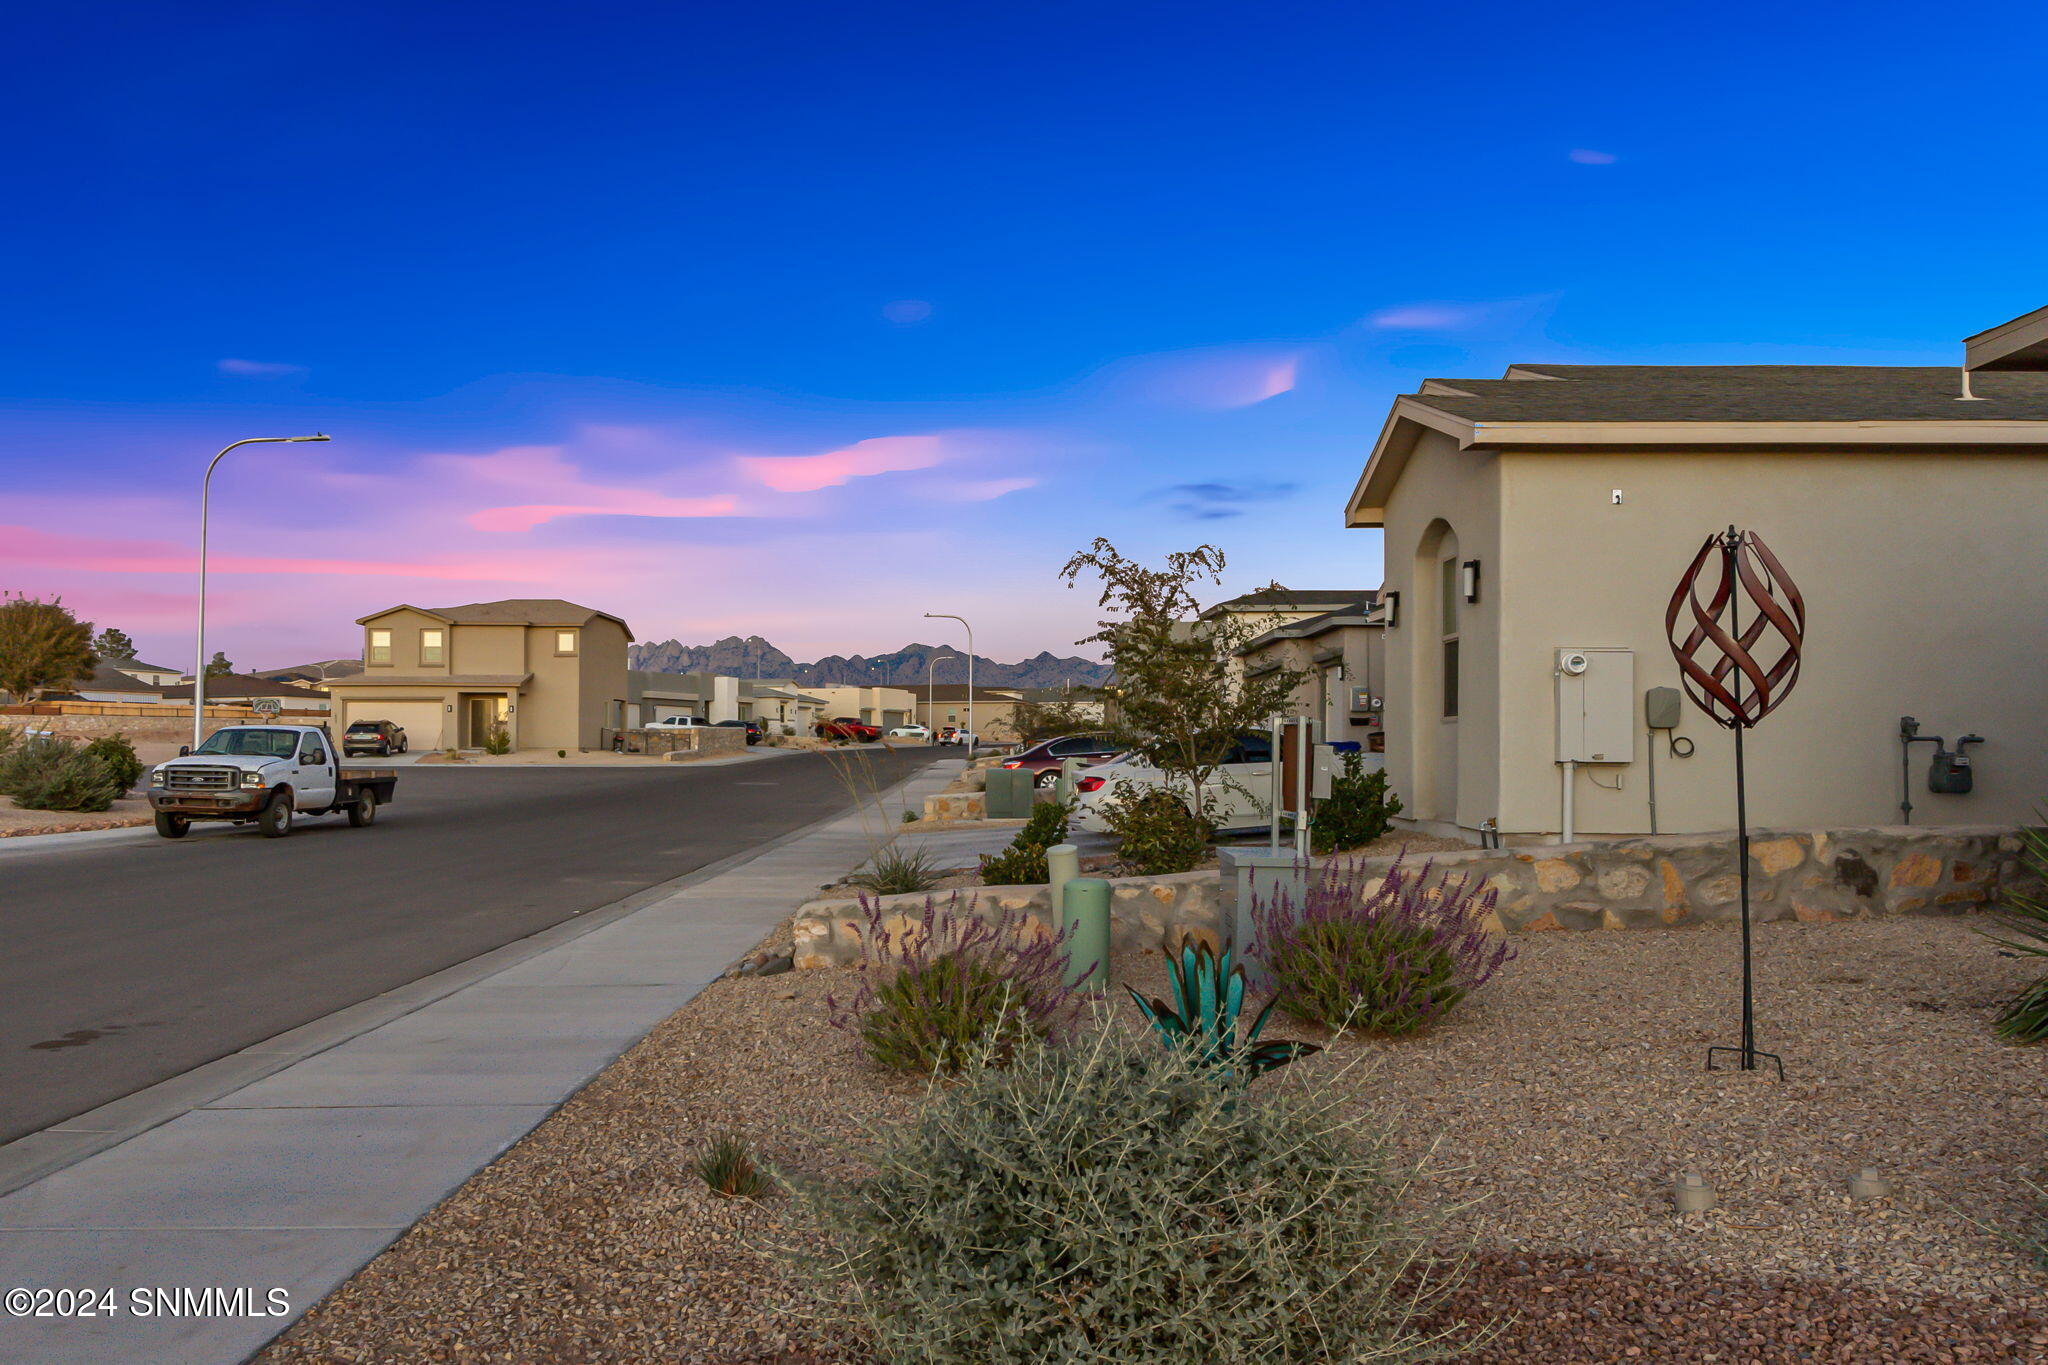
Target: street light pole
[931, 678]
[973, 739]
[205, 493]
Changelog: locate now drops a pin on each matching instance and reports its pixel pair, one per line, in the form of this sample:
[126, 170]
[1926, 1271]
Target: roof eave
[1961, 433]
[1406, 422]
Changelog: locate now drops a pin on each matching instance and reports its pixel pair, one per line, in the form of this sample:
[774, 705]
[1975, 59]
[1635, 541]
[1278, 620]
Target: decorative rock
[1546, 920]
[1868, 1184]
[775, 965]
[1624, 883]
[1723, 890]
[1555, 874]
[1777, 855]
[1917, 869]
[1691, 1193]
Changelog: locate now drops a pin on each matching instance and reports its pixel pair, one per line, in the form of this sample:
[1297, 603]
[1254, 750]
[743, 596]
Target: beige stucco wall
[603, 677]
[405, 626]
[1924, 587]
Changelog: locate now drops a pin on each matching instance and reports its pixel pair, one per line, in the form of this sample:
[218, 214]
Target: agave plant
[2022, 931]
[1209, 990]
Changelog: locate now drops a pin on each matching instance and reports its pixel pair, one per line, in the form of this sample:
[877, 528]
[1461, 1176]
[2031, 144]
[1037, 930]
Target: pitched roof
[1739, 393]
[232, 685]
[510, 611]
[107, 677]
[1293, 599]
[1358, 614]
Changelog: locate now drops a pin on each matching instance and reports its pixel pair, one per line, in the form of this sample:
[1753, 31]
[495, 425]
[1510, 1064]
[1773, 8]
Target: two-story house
[550, 672]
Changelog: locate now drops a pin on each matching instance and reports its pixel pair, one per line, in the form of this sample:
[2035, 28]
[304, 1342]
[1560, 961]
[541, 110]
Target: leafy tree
[1180, 703]
[1040, 720]
[114, 645]
[219, 665]
[43, 647]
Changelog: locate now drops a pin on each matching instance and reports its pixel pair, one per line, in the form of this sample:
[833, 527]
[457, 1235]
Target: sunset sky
[807, 319]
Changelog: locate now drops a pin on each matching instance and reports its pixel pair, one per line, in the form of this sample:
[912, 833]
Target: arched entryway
[1435, 674]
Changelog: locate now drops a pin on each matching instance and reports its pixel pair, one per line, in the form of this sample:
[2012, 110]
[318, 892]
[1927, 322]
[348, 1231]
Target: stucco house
[1551, 512]
[1341, 653]
[551, 672]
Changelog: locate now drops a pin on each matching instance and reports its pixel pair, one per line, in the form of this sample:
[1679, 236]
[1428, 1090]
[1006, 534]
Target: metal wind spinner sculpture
[1738, 673]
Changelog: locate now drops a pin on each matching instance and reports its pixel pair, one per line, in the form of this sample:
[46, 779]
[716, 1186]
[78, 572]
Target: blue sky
[808, 319]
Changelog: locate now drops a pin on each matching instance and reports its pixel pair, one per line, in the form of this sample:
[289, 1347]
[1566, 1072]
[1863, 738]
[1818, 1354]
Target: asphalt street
[133, 960]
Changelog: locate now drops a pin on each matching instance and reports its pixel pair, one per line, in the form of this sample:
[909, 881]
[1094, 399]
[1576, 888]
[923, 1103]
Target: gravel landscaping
[1568, 1094]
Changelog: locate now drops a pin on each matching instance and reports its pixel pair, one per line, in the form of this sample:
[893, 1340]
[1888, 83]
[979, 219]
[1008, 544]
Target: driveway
[132, 959]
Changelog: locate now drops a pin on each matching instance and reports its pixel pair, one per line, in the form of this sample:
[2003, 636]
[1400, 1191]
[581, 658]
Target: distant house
[111, 682]
[552, 673]
[1344, 659]
[242, 688]
[319, 671]
[1535, 526]
[887, 707]
[153, 674]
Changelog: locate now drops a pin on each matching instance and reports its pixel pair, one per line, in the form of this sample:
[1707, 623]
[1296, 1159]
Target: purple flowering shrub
[938, 990]
[1385, 960]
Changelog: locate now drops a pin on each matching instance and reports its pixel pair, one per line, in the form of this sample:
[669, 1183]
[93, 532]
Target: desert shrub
[1023, 862]
[895, 871]
[728, 1168]
[1111, 1202]
[8, 734]
[1208, 992]
[2021, 929]
[1383, 959]
[940, 988]
[1358, 810]
[1156, 832]
[50, 773]
[118, 756]
[498, 739]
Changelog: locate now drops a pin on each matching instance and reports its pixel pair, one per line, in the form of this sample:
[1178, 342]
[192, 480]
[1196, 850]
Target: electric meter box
[1596, 706]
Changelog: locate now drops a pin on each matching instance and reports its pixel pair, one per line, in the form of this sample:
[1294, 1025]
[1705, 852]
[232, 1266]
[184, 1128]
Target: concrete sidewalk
[292, 1181]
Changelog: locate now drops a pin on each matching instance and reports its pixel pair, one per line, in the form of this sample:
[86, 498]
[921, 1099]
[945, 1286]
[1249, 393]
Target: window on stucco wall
[1447, 590]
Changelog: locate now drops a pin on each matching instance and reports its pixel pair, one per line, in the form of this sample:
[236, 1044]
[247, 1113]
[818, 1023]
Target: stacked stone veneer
[1815, 876]
[690, 740]
[952, 805]
[1143, 912]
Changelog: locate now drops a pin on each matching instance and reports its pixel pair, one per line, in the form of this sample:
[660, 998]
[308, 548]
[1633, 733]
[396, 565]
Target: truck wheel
[364, 811]
[172, 826]
[276, 820]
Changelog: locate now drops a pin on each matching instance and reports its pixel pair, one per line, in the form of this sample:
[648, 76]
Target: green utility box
[1009, 793]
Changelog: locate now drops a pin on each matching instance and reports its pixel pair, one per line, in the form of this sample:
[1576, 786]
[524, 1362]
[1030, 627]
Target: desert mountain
[909, 665]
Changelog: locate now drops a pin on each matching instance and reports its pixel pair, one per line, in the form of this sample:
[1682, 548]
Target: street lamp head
[316, 436]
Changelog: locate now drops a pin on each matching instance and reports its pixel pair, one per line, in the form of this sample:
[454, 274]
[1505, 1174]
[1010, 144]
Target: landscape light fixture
[948, 616]
[199, 659]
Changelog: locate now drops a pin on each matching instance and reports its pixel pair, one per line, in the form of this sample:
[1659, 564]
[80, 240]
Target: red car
[1047, 757]
[847, 728]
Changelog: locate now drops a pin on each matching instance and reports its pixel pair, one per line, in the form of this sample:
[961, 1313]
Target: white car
[1240, 794]
[679, 723]
[911, 732]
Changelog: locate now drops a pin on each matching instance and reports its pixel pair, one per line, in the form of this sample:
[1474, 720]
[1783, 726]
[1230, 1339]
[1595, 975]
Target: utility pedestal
[1255, 874]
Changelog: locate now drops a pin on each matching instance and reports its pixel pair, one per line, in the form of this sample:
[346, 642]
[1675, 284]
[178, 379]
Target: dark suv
[379, 737]
[753, 728]
[1046, 757]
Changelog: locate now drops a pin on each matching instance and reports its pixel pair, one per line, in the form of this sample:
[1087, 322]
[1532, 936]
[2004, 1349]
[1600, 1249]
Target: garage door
[421, 720]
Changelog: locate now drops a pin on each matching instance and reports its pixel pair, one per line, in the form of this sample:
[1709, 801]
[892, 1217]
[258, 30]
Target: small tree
[43, 647]
[114, 645]
[219, 666]
[1181, 706]
[1041, 720]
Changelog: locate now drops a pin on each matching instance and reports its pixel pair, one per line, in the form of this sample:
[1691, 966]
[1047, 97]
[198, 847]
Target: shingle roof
[230, 685]
[1283, 599]
[1740, 393]
[510, 611]
[108, 678]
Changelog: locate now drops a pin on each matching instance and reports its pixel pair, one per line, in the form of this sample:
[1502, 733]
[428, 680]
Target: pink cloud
[82, 554]
[982, 490]
[1586, 156]
[1428, 317]
[862, 459]
[258, 369]
[556, 488]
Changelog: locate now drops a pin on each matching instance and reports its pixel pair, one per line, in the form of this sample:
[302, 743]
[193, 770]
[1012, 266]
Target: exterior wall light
[1390, 603]
[1468, 579]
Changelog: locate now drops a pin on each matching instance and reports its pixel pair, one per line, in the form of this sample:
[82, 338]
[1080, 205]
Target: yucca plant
[728, 1168]
[2022, 920]
[1208, 991]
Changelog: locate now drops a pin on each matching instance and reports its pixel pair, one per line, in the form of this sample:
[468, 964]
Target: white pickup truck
[269, 774]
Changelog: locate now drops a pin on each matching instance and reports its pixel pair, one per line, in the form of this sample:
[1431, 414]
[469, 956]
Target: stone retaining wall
[689, 739]
[173, 729]
[1813, 876]
[1143, 911]
[952, 805]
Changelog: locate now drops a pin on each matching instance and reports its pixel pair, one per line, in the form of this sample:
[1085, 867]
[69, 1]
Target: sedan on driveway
[1240, 795]
[752, 727]
[379, 737]
[1048, 757]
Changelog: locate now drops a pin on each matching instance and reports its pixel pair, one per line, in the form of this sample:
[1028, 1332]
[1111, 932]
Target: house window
[565, 642]
[380, 648]
[1447, 590]
[432, 649]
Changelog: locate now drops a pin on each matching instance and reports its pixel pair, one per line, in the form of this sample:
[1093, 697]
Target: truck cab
[268, 775]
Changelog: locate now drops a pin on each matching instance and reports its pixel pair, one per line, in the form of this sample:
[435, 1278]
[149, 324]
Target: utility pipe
[1569, 767]
[205, 498]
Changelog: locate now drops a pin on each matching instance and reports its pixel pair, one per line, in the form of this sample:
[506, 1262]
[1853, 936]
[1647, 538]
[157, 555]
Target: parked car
[379, 737]
[753, 728]
[1047, 757]
[847, 728]
[265, 774]
[679, 723]
[954, 734]
[911, 732]
[1240, 794]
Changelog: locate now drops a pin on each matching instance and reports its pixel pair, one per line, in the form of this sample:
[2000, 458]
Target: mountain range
[909, 665]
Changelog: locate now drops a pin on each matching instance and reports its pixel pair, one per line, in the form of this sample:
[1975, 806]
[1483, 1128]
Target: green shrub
[1110, 1202]
[1023, 862]
[2022, 929]
[498, 739]
[893, 871]
[8, 734]
[55, 774]
[1156, 832]
[1047, 824]
[1358, 810]
[118, 756]
[910, 817]
[935, 1016]
[729, 1169]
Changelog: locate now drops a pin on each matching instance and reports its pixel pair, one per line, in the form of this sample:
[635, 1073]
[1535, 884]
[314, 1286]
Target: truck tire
[276, 820]
[364, 811]
[172, 826]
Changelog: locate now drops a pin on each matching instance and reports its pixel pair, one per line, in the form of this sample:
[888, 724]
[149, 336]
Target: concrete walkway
[318, 1148]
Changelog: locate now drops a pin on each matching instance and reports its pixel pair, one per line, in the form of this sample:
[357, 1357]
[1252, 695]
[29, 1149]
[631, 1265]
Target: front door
[481, 716]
